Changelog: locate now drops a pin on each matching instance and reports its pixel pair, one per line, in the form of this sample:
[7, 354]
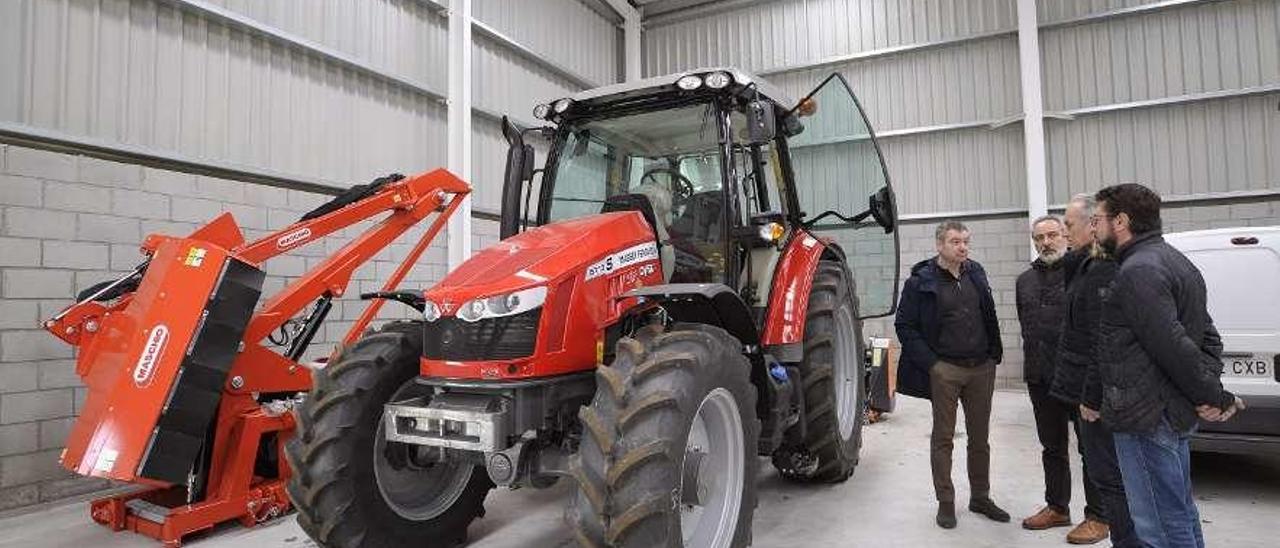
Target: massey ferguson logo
[145, 370]
[292, 238]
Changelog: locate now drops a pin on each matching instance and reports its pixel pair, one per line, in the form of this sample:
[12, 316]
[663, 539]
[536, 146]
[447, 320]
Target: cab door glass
[843, 190]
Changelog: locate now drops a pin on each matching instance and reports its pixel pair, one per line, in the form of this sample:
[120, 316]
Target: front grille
[490, 339]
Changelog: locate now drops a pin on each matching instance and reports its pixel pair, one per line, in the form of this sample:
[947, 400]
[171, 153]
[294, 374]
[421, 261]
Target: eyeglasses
[1094, 219]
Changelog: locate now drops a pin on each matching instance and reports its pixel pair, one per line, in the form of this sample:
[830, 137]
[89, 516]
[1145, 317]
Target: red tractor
[664, 306]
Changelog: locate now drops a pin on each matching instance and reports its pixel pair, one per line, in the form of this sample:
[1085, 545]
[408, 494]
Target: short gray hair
[940, 233]
[1087, 202]
[1045, 219]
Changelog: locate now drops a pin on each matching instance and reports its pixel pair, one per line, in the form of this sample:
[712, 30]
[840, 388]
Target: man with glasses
[1160, 360]
[1040, 295]
[950, 339]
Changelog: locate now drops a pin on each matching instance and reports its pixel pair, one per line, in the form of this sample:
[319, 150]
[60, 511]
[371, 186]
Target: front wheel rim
[845, 380]
[417, 493]
[714, 469]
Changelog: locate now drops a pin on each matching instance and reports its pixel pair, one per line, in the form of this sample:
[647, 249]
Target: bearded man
[1041, 299]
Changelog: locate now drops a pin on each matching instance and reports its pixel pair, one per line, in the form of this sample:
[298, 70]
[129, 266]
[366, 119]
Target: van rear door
[1241, 269]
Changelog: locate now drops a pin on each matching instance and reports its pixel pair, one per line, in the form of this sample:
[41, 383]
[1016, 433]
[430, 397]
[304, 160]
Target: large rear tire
[832, 376]
[668, 447]
[351, 487]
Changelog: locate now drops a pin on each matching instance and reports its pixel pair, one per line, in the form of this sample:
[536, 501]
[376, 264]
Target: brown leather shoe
[1046, 518]
[1088, 532]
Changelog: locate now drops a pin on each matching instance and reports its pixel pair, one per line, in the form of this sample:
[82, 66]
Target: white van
[1241, 268]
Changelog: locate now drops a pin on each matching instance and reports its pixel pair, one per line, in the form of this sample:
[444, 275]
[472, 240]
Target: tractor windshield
[669, 156]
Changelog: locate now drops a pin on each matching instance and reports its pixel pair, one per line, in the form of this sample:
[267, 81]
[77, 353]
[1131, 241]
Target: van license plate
[1255, 366]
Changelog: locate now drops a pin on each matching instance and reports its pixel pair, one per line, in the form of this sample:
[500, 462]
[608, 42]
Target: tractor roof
[667, 82]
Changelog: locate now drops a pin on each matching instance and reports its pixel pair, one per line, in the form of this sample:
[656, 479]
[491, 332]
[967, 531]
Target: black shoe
[987, 507]
[946, 515]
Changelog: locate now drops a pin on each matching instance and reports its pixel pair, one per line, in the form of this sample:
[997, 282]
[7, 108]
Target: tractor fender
[711, 304]
[783, 330]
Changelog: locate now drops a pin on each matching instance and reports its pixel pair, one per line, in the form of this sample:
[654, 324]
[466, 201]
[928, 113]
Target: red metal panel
[789, 295]
[579, 250]
[134, 359]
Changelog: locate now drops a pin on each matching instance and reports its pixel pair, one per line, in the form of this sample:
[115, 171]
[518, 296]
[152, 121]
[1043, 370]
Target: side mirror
[883, 209]
[761, 122]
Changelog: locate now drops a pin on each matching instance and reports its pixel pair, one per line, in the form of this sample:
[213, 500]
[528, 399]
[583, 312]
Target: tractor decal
[647, 251]
[145, 369]
[293, 238]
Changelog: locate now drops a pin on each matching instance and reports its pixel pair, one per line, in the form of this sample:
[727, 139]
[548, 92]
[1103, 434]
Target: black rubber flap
[193, 401]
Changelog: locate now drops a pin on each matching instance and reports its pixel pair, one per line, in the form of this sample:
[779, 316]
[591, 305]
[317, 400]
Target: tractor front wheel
[832, 380]
[668, 450]
[352, 488]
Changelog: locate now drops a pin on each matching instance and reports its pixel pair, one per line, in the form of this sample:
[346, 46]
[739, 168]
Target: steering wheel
[681, 187]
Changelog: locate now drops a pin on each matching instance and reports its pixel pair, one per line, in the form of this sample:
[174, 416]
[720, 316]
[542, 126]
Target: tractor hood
[541, 255]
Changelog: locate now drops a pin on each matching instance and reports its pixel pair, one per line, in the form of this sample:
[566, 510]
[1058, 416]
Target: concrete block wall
[67, 222]
[1003, 248]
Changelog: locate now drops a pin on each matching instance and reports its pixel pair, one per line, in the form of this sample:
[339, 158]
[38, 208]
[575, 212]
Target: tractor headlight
[542, 111]
[563, 105]
[717, 80]
[690, 82]
[499, 306]
[430, 311]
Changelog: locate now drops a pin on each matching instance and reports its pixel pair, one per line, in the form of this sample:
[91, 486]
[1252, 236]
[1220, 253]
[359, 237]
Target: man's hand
[1213, 414]
[1089, 414]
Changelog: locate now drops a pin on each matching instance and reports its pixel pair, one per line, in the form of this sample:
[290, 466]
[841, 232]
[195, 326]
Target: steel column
[1032, 111]
[459, 120]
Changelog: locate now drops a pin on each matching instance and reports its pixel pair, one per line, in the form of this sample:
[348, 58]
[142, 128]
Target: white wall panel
[149, 74]
[564, 31]
[767, 35]
[1207, 47]
[404, 37]
[509, 83]
[1214, 146]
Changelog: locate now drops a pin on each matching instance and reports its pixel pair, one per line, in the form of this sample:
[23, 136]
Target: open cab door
[843, 190]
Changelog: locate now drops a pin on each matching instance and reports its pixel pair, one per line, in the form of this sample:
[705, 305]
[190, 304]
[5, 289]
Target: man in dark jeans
[1159, 356]
[1089, 271]
[950, 347]
[1040, 302]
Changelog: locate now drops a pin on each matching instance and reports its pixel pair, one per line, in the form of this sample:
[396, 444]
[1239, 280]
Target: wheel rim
[417, 492]
[844, 375]
[713, 468]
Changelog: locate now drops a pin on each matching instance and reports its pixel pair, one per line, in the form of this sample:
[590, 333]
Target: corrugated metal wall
[507, 81]
[150, 74]
[972, 81]
[1186, 149]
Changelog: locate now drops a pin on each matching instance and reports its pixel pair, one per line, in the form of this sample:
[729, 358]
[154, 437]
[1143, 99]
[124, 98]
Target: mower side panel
[789, 296]
[156, 367]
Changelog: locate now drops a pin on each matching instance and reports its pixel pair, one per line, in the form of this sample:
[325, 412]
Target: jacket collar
[1138, 242]
[928, 271]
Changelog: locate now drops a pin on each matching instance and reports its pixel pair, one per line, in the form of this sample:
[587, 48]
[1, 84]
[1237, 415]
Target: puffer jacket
[1087, 278]
[1041, 299]
[1158, 352]
[917, 324]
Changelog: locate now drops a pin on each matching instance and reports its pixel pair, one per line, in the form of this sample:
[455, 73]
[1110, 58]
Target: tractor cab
[724, 166]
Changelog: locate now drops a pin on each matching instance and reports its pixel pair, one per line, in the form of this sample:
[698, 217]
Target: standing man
[950, 339]
[1160, 360]
[1088, 272]
[1040, 302]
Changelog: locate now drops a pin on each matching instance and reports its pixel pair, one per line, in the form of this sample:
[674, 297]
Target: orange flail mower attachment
[184, 398]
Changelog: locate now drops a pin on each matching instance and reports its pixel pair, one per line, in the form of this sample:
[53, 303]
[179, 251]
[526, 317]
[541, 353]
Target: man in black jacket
[950, 339]
[1088, 273]
[1041, 306]
[1160, 360]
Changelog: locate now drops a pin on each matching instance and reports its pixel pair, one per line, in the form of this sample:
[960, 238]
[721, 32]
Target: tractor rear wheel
[352, 488]
[668, 447]
[832, 380]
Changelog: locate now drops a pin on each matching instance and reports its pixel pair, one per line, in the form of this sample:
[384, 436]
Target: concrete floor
[888, 502]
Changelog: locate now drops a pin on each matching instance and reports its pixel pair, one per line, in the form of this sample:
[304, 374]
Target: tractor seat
[642, 202]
